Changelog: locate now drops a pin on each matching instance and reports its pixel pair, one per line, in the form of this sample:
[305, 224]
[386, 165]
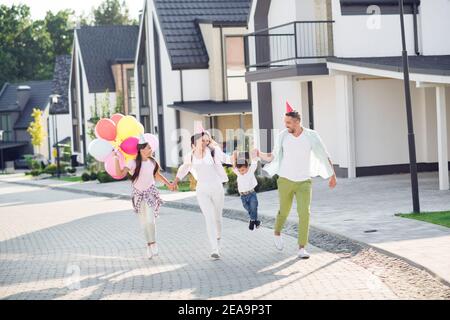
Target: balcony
[297, 48]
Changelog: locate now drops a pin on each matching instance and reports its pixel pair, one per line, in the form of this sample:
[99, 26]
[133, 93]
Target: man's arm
[333, 180]
[268, 157]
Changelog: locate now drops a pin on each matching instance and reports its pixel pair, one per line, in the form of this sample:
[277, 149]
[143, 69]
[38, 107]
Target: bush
[35, 173]
[71, 170]
[85, 177]
[104, 177]
[51, 169]
[93, 176]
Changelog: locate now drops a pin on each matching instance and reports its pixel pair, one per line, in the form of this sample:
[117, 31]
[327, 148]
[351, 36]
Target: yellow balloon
[128, 157]
[129, 127]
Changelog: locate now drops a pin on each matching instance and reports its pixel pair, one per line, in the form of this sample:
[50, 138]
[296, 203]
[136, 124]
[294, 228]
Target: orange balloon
[106, 129]
[116, 118]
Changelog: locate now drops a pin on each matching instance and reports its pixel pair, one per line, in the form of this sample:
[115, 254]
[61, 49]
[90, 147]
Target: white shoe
[149, 253]
[215, 255]
[278, 240]
[303, 254]
[154, 248]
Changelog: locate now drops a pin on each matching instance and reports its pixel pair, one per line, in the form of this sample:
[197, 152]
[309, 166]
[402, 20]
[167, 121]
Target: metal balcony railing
[289, 44]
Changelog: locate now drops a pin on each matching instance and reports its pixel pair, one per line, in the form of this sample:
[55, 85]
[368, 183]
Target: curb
[241, 215]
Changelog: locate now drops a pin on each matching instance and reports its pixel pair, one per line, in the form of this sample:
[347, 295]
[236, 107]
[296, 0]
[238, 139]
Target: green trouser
[302, 191]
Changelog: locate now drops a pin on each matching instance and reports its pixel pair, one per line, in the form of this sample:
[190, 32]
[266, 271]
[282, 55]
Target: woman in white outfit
[205, 164]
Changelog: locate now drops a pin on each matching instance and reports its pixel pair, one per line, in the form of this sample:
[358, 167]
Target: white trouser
[211, 197]
[148, 222]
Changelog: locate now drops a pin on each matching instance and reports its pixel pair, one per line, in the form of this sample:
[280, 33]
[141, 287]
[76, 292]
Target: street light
[54, 99]
[411, 138]
[1, 151]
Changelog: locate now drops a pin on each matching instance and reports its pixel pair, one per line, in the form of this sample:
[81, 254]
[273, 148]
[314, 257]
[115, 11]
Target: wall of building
[433, 21]
[369, 35]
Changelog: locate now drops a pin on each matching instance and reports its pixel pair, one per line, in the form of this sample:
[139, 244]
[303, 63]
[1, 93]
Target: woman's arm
[268, 157]
[223, 157]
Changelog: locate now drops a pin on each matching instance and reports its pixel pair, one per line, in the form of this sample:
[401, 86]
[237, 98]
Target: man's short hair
[294, 114]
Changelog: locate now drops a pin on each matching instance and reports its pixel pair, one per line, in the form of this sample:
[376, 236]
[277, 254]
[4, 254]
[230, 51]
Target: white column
[442, 138]
[346, 123]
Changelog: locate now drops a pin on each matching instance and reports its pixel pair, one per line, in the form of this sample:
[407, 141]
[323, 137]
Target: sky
[40, 7]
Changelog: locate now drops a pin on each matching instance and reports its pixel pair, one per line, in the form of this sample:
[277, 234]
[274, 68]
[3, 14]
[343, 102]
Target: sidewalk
[353, 208]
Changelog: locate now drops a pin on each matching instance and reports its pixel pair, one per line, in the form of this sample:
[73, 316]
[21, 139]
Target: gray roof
[39, 98]
[61, 77]
[102, 46]
[433, 65]
[209, 107]
[179, 21]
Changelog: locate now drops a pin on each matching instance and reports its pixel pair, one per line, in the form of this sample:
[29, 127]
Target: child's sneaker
[149, 253]
[303, 254]
[251, 225]
[154, 248]
[257, 224]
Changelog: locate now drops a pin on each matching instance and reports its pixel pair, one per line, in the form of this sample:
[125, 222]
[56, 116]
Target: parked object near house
[341, 66]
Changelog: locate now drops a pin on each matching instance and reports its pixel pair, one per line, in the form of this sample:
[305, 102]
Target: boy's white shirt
[319, 165]
[247, 181]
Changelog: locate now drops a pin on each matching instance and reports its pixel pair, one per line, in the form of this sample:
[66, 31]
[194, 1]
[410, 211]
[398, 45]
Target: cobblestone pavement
[61, 245]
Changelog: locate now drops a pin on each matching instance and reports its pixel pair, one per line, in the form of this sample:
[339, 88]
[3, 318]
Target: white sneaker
[149, 253]
[303, 254]
[215, 255]
[154, 248]
[278, 240]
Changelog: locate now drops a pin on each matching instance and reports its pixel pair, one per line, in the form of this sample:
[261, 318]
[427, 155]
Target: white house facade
[190, 67]
[338, 62]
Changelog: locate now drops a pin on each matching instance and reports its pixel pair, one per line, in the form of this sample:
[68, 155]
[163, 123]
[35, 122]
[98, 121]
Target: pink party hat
[198, 127]
[288, 108]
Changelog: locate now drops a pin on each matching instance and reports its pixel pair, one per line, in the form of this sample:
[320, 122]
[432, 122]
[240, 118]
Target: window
[235, 68]
[5, 125]
[131, 92]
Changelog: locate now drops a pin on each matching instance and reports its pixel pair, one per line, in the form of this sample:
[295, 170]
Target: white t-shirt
[205, 169]
[146, 178]
[247, 182]
[295, 164]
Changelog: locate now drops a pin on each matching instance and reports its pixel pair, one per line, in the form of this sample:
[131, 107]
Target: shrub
[51, 169]
[35, 173]
[93, 176]
[85, 177]
[104, 177]
[71, 170]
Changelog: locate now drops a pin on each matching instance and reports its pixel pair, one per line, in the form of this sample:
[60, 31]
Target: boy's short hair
[242, 160]
[294, 114]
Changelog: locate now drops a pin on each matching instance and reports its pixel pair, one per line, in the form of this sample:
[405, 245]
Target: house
[190, 66]
[101, 79]
[17, 102]
[339, 63]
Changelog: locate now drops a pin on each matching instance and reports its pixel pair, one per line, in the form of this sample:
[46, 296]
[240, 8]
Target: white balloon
[100, 149]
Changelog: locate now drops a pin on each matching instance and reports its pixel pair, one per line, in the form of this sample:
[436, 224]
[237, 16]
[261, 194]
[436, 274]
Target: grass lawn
[440, 218]
[70, 179]
[182, 187]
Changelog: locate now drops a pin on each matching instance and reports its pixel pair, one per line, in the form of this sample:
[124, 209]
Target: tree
[60, 28]
[112, 12]
[36, 129]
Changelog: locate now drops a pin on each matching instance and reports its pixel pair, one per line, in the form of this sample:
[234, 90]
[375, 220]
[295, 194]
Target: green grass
[439, 218]
[182, 187]
[70, 179]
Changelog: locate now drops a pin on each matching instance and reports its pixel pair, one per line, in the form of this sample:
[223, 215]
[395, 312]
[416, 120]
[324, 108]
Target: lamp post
[411, 138]
[54, 100]
[1, 151]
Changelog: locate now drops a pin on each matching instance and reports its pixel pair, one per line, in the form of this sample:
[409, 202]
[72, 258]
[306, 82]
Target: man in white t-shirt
[299, 154]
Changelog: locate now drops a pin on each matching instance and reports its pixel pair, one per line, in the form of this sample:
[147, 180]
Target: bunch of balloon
[119, 133]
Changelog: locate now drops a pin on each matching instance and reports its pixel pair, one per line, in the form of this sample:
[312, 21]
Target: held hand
[254, 153]
[333, 181]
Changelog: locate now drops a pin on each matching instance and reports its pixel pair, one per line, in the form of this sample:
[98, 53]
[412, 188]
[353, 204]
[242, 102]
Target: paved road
[59, 245]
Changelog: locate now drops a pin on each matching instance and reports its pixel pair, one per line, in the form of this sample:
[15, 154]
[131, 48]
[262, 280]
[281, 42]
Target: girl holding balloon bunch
[146, 200]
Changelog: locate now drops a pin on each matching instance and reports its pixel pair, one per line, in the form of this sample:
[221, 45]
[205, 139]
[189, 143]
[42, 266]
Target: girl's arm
[119, 172]
[159, 177]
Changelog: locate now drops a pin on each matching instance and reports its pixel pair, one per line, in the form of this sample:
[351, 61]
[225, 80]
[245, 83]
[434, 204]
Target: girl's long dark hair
[137, 171]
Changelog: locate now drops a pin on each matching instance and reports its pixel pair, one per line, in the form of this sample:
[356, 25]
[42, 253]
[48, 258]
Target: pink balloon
[116, 118]
[106, 129]
[110, 166]
[152, 141]
[129, 146]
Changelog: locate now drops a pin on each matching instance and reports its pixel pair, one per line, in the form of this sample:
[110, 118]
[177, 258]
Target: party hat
[288, 108]
[198, 127]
